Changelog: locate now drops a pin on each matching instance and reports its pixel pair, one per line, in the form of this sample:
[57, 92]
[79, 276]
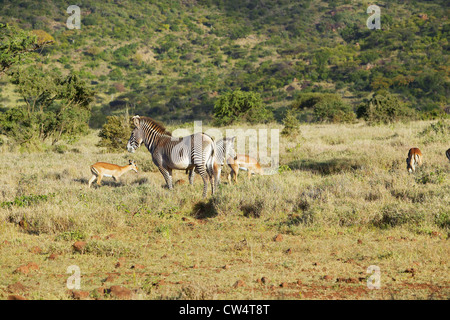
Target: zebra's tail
[210, 161]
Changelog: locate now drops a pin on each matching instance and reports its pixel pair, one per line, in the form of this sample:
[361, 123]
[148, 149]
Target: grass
[343, 201]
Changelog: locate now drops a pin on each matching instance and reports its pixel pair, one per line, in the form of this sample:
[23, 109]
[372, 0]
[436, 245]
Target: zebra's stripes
[224, 150]
[169, 153]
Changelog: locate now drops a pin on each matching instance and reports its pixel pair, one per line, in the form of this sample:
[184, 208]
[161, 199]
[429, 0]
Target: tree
[115, 133]
[385, 108]
[291, 124]
[336, 111]
[326, 107]
[17, 45]
[54, 105]
[238, 106]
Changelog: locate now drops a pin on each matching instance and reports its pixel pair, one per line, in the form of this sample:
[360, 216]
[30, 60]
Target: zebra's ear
[136, 121]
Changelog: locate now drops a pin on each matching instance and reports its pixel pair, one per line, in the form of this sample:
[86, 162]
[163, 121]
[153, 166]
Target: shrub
[434, 177]
[326, 107]
[393, 215]
[438, 131]
[115, 133]
[336, 111]
[291, 124]
[385, 108]
[238, 106]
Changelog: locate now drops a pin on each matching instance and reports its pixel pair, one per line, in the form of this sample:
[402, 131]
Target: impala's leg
[229, 174]
[249, 174]
[99, 179]
[419, 160]
[236, 172]
[92, 180]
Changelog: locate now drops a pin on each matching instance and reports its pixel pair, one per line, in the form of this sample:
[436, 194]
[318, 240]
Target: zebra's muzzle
[130, 148]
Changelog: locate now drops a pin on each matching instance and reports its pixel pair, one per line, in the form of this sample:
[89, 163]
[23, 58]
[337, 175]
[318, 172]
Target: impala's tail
[94, 171]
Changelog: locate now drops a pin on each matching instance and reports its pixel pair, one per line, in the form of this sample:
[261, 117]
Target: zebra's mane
[155, 125]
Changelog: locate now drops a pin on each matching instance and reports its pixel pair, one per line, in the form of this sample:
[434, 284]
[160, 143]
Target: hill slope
[171, 59]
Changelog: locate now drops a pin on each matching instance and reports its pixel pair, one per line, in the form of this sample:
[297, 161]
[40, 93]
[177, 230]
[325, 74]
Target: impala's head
[133, 165]
[137, 136]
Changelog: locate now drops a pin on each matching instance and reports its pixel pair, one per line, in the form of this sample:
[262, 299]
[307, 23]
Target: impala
[244, 162]
[103, 169]
[414, 159]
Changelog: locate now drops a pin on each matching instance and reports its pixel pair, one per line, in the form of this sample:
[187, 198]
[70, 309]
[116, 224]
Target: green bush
[336, 111]
[291, 124]
[326, 107]
[385, 108]
[438, 131]
[239, 106]
[115, 133]
[393, 215]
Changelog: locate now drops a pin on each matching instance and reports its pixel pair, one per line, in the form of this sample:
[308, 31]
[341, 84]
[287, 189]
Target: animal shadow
[327, 167]
[204, 209]
[109, 183]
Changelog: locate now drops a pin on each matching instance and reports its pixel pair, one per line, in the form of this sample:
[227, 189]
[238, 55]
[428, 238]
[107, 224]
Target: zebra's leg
[214, 176]
[218, 173]
[191, 176]
[205, 175]
[167, 174]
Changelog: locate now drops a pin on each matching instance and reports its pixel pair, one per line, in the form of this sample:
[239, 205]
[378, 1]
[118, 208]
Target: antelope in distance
[447, 153]
[171, 153]
[414, 159]
[244, 162]
[103, 169]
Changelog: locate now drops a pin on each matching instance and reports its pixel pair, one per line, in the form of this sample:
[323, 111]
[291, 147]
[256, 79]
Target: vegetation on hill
[173, 60]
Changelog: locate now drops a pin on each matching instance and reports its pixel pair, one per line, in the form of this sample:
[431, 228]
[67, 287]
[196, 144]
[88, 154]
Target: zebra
[224, 150]
[191, 152]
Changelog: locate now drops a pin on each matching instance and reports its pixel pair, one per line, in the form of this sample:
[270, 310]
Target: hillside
[170, 60]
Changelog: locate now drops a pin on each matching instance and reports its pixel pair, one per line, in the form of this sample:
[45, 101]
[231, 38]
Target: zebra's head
[137, 136]
[229, 147]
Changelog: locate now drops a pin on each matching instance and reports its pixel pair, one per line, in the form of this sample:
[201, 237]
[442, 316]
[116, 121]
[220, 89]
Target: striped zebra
[224, 150]
[170, 153]
[447, 153]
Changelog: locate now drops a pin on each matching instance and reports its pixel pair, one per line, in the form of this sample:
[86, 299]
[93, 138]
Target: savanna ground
[342, 201]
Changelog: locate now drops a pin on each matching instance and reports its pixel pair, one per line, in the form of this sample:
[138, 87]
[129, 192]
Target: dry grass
[342, 202]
